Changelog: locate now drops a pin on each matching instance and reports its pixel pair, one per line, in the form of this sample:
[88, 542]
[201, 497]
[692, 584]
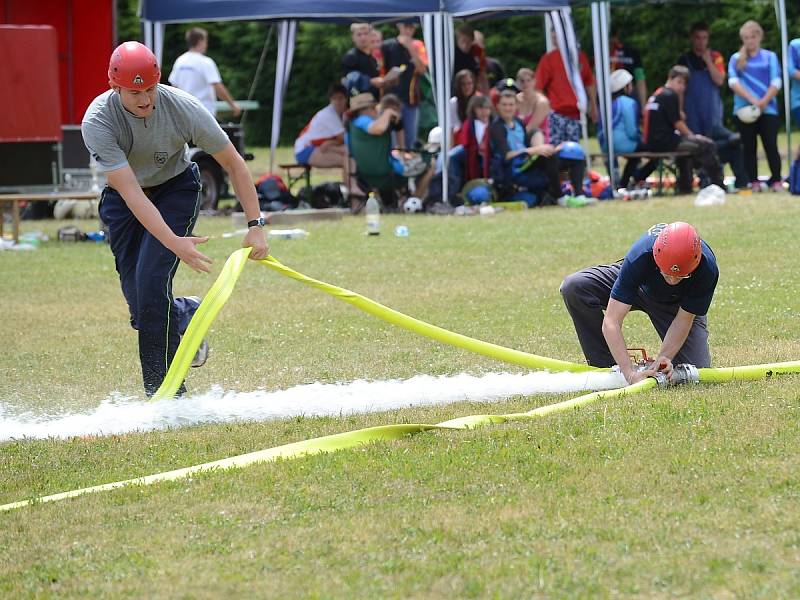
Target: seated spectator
[370, 143]
[512, 146]
[360, 67]
[463, 90]
[473, 139]
[397, 127]
[534, 107]
[625, 122]
[471, 157]
[665, 130]
[469, 55]
[553, 82]
[703, 104]
[321, 142]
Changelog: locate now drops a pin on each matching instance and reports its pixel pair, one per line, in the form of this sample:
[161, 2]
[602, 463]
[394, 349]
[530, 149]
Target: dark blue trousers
[146, 269]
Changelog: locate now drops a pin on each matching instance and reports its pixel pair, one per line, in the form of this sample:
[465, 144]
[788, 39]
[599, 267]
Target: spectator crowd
[520, 138]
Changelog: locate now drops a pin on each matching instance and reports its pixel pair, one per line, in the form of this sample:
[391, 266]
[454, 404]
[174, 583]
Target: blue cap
[572, 151]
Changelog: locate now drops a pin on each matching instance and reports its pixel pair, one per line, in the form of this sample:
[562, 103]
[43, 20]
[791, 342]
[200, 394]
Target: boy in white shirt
[197, 74]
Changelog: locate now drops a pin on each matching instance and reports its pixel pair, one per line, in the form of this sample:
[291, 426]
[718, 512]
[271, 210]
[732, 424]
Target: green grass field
[690, 492]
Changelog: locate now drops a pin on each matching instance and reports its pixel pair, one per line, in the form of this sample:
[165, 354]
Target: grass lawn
[682, 492]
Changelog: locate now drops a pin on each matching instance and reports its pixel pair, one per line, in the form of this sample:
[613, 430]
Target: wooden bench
[295, 173]
[14, 200]
[666, 161]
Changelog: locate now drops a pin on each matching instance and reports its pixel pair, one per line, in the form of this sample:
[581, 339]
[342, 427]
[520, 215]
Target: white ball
[412, 205]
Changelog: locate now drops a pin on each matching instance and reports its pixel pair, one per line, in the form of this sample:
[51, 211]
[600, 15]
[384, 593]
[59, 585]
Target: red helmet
[133, 66]
[677, 249]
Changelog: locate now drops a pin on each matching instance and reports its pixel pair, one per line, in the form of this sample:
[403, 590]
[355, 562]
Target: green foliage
[659, 31]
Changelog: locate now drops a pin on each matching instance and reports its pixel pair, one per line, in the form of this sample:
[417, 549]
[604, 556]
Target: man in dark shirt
[360, 67]
[467, 54]
[401, 53]
[665, 130]
[624, 56]
[702, 103]
[670, 274]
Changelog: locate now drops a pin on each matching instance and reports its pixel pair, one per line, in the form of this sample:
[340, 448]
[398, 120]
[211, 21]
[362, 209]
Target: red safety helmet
[133, 66]
[677, 249]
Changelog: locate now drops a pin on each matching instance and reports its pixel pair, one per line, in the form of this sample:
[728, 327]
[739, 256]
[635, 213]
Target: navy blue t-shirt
[639, 271]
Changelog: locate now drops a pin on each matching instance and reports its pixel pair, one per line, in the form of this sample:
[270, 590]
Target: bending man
[670, 274]
[137, 132]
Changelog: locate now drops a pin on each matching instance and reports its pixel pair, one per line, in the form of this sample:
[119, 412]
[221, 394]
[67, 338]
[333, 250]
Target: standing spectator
[625, 122]
[702, 103]
[494, 68]
[754, 76]
[624, 56]
[376, 41]
[512, 145]
[401, 53]
[197, 74]
[794, 74]
[469, 55]
[552, 80]
[665, 130]
[321, 142]
[360, 67]
[137, 132]
[533, 106]
[464, 90]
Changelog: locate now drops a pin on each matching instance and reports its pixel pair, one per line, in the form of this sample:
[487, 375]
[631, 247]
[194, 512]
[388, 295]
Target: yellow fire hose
[221, 291]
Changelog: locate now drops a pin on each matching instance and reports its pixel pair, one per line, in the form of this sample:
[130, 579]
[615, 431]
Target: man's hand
[662, 364]
[762, 104]
[542, 150]
[236, 109]
[255, 239]
[185, 249]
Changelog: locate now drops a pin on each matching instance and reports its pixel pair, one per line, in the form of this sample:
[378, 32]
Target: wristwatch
[259, 222]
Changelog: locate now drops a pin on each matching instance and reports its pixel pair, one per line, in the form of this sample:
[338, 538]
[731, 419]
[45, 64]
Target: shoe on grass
[201, 356]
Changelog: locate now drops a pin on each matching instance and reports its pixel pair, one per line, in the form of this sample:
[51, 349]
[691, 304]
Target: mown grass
[681, 492]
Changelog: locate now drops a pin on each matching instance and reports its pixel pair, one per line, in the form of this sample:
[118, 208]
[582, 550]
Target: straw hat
[619, 79]
[362, 100]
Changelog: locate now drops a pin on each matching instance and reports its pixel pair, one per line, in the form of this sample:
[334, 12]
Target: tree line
[659, 32]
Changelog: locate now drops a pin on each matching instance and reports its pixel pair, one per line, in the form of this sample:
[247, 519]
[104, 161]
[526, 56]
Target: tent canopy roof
[177, 11]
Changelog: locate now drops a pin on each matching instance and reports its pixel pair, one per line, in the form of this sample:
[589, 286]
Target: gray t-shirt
[154, 147]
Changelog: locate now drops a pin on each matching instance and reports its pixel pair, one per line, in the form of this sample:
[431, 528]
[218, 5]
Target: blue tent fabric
[176, 11]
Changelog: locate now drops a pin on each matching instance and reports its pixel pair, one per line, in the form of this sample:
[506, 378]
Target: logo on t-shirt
[656, 229]
[160, 158]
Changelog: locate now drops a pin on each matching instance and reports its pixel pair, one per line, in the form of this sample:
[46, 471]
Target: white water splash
[117, 414]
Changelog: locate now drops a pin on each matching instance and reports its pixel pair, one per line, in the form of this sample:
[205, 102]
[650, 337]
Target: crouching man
[670, 274]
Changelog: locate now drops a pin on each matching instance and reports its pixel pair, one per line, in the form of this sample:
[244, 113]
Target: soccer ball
[412, 205]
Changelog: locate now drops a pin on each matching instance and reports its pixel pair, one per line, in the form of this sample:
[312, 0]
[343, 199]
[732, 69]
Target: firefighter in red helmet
[137, 133]
[670, 274]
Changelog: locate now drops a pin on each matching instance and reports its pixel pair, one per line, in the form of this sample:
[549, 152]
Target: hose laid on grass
[223, 286]
[341, 441]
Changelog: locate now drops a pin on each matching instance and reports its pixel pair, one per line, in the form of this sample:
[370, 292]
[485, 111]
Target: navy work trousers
[586, 294]
[146, 269]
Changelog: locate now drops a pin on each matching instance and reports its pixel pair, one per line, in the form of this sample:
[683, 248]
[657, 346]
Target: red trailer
[85, 38]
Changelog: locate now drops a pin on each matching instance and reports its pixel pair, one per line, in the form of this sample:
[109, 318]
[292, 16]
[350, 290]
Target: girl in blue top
[625, 122]
[754, 76]
[794, 73]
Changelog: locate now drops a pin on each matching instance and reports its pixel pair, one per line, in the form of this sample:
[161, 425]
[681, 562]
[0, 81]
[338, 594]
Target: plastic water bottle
[401, 231]
[287, 234]
[373, 213]
[711, 195]
[96, 236]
